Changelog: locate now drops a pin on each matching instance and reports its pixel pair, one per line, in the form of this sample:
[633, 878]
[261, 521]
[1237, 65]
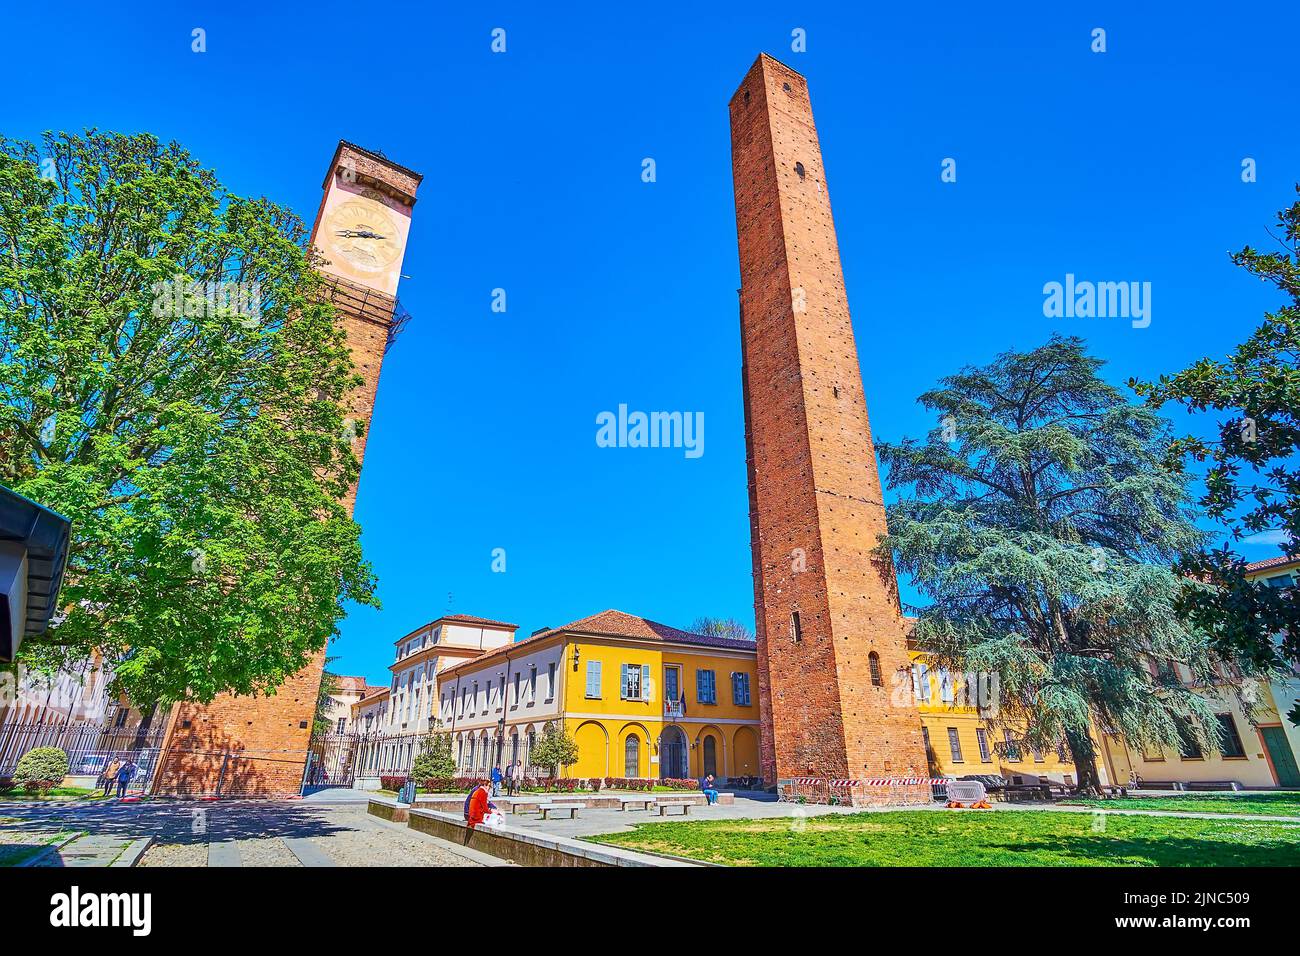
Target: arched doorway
[632, 756]
[710, 755]
[672, 753]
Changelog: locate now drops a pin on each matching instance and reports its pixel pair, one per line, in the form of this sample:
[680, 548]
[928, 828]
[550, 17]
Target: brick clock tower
[257, 746]
[832, 647]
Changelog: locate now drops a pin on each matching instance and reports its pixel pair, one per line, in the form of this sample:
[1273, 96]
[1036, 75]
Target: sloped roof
[613, 623]
[459, 619]
[1269, 563]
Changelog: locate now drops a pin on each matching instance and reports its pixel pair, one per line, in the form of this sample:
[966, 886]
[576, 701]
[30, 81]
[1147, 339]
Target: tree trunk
[1085, 761]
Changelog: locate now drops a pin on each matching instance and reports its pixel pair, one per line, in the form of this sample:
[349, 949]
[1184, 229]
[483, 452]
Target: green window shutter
[622, 681]
[645, 681]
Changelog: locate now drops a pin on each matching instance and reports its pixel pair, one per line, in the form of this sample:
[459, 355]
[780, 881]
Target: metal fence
[90, 747]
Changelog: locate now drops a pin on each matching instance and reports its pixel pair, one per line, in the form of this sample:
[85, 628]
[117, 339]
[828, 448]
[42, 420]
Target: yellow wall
[602, 725]
[938, 716]
[1156, 764]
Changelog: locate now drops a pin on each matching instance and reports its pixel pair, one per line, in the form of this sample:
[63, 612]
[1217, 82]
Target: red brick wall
[257, 746]
[814, 486]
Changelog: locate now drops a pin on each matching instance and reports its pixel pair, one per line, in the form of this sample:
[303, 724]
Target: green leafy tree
[554, 749]
[193, 431]
[1252, 482]
[41, 769]
[435, 759]
[1038, 521]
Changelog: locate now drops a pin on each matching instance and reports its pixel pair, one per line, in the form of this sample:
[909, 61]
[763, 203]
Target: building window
[1189, 748]
[550, 682]
[635, 680]
[945, 685]
[518, 676]
[1280, 581]
[672, 684]
[632, 756]
[982, 738]
[1152, 751]
[1038, 755]
[1229, 739]
[1013, 748]
[473, 699]
[954, 744]
[921, 681]
[873, 659]
[740, 689]
[593, 679]
[341, 727]
[532, 683]
[796, 630]
[929, 751]
[706, 690]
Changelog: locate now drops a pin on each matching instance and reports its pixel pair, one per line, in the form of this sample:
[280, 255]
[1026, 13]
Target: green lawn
[57, 794]
[971, 838]
[1280, 804]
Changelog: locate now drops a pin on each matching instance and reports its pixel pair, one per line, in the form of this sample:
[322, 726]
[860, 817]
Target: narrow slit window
[796, 630]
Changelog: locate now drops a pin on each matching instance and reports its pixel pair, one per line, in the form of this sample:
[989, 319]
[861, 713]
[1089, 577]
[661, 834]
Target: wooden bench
[573, 809]
[663, 806]
[625, 803]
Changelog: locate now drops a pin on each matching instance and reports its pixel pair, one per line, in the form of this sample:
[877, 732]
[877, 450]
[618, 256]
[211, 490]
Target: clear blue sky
[1117, 166]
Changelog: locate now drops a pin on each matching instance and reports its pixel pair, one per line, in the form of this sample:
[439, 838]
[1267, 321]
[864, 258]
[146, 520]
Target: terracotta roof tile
[614, 623]
[1268, 563]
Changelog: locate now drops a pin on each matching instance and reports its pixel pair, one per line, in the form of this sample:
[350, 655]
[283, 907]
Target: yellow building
[960, 742]
[641, 699]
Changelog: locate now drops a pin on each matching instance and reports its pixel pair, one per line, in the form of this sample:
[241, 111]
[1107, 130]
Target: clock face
[364, 233]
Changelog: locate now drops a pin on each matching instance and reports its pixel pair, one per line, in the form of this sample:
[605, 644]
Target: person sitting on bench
[710, 792]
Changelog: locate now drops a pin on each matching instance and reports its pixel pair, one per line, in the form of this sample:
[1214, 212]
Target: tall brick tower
[257, 746]
[831, 643]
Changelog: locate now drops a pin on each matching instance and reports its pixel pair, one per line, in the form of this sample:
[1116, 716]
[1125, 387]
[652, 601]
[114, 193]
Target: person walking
[124, 774]
[514, 775]
[496, 781]
[709, 790]
[110, 775]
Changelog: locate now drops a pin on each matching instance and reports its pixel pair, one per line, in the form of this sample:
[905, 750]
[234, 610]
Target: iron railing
[90, 747]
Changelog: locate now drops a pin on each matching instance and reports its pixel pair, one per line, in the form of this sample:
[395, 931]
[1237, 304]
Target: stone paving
[237, 833]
